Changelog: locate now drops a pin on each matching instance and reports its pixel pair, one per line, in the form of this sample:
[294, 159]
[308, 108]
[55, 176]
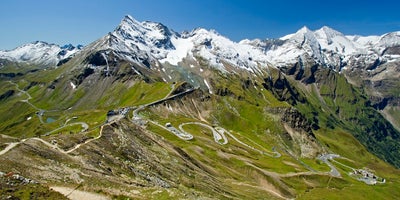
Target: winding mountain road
[84, 125]
[54, 146]
[218, 133]
[325, 158]
[39, 111]
[182, 135]
[277, 154]
[10, 146]
[219, 138]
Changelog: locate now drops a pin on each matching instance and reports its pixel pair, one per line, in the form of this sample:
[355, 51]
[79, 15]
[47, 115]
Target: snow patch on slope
[183, 48]
[73, 85]
[208, 86]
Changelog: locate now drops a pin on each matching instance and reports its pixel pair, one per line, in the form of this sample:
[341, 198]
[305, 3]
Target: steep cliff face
[381, 84]
[333, 102]
[301, 134]
[281, 87]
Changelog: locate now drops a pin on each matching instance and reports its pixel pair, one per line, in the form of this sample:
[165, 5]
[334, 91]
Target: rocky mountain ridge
[324, 46]
[41, 53]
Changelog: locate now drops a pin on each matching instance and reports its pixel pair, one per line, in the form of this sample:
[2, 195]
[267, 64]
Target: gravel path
[78, 194]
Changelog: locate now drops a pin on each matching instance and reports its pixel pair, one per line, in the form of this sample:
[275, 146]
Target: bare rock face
[283, 89]
[297, 121]
[299, 133]
[395, 50]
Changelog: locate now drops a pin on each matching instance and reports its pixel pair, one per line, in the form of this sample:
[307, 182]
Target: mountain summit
[325, 46]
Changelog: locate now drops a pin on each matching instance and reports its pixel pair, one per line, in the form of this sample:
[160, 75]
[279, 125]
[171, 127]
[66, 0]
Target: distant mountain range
[40, 53]
[325, 46]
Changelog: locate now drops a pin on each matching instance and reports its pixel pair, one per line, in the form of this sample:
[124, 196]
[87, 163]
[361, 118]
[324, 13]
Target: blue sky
[83, 21]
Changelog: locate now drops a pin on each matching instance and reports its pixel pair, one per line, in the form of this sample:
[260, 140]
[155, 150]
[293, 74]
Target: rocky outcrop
[395, 50]
[84, 74]
[297, 121]
[299, 136]
[282, 89]
[6, 94]
[15, 186]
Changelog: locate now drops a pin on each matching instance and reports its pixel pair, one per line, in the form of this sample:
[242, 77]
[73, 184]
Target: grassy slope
[248, 121]
[248, 127]
[333, 102]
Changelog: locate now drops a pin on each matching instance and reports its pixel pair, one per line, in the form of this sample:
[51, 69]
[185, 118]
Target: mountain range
[303, 116]
[370, 61]
[325, 46]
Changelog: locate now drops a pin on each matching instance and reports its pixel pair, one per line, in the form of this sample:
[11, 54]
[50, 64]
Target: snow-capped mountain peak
[335, 41]
[215, 49]
[134, 37]
[327, 33]
[305, 35]
[129, 28]
[130, 19]
[39, 52]
[138, 41]
[147, 33]
[302, 43]
[151, 41]
[299, 34]
[303, 30]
